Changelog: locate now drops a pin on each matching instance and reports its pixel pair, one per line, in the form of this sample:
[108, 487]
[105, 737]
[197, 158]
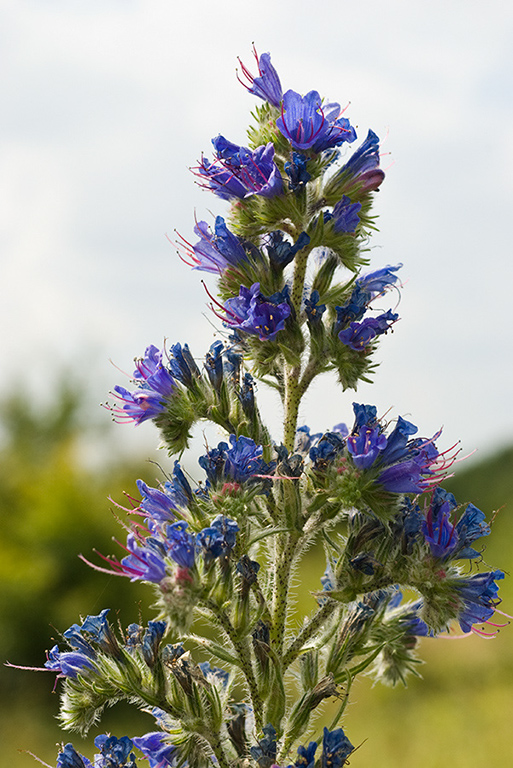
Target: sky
[106, 104]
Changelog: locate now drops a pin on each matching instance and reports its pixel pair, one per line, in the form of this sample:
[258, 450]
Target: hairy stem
[241, 648]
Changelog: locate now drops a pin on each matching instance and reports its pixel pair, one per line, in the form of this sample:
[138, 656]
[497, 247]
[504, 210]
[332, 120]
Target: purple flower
[309, 124]
[447, 539]
[363, 166]
[215, 252]
[254, 313]
[336, 747]
[156, 749]
[359, 335]
[146, 560]
[378, 281]
[365, 446]
[244, 460]
[479, 598]
[267, 85]
[437, 528]
[238, 463]
[345, 215]
[405, 466]
[155, 504]
[240, 172]
[68, 663]
[155, 385]
[302, 119]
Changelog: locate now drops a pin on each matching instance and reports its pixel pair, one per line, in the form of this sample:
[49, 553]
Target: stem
[282, 570]
[218, 751]
[293, 390]
[293, 396]
[294, 650]
[242, 652]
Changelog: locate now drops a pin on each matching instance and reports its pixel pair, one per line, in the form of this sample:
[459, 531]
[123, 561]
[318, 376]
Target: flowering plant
[295, 299]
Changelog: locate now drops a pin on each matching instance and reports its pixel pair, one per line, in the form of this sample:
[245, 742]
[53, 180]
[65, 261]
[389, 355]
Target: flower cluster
[220, 552]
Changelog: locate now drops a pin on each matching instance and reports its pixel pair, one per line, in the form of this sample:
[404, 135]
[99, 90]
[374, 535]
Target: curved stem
[294, 650]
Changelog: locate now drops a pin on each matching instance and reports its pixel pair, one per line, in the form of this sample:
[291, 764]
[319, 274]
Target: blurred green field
[52, 508]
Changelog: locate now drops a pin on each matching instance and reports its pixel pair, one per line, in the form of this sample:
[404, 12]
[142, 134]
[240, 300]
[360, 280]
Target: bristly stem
[242, 651]
[322, 615]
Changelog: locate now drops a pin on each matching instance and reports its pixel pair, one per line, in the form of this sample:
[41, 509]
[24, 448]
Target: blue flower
[115, 753]
[345, 215]
[265, 752]
[214, 675]
[314, 310]
[302, 120]
[306, 756]
[359, 335]
[239, 463]
[296, 171]
[182, 364]
[68, 663]
[240, 172]
[215, 252]
[336, 747]
[479, 596]
[281, 252]
[329, 447]
[146, 561]
[447, 539]
[353, 310]
[151, 641]
[156, 504]
[68, 757]
[404, 465]
[365, 446]
[363, 166]
[304, 440]
[180, 544]
[439, 532]
[378, 281]
[100, 632]
[267, 85]
[308, 124]
[156, 385]
[256, 314]
[179, 488]
[246, 395]
[471, 526]
[156, 749]
[218, 540]
[244, 460]
[214, 364]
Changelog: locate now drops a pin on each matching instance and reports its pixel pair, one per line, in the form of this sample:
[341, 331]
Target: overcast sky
[106, 103]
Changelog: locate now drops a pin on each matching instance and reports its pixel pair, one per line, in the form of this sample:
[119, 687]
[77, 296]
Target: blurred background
[105, 106]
